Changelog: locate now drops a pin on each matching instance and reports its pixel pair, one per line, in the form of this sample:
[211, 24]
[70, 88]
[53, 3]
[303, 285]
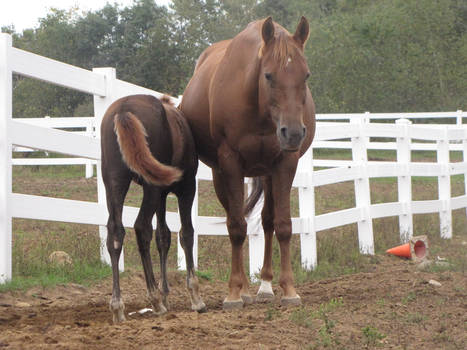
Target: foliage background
[364, 55]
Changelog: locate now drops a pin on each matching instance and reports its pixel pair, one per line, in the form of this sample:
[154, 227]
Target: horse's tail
[254, 195]
[131, 137]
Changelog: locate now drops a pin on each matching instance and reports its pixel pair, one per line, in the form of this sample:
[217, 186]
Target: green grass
[79, 273]
[372, 336]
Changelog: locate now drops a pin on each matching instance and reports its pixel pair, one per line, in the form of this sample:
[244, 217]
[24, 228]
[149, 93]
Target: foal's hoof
[233, 304]
[247, 299]
[199, 308]
[160, 310]
[291, 301]
[263, 297]
[118, 317]
[117, 308]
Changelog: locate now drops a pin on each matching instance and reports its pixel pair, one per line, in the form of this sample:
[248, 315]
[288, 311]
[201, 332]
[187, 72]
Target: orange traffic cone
[416, 249]
[402, 250]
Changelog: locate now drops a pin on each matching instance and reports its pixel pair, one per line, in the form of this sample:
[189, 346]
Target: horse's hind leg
[185, 203]
[116, 189]
[143, 229]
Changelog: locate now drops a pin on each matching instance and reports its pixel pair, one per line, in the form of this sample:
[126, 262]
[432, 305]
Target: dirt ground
[393, 307]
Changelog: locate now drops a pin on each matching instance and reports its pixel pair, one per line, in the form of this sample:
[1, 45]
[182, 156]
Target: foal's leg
[143, 228]
[116, 189]
[265, 292]
[163, 239]
[185, 202]
[281, 185]
[229, 187]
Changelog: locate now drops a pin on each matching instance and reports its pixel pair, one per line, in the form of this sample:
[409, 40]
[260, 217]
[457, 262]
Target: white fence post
[362, 190]
[6, 88]
[404, 182]
[255, 236]
[101, 103]
[306, 202]
[444, 186]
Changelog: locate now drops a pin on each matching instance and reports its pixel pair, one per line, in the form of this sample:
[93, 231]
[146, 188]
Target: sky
[24, 14]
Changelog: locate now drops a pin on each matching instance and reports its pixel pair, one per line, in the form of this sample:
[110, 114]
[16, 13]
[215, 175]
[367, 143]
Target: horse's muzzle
[291, 138]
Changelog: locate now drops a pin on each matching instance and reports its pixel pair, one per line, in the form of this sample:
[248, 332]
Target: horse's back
[195, 102]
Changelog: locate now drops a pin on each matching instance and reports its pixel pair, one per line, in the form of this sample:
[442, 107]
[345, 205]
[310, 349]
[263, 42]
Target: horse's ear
[267, 30]
[302, 32]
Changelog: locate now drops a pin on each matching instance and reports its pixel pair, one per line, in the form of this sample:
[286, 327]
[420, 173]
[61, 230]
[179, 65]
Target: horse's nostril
[284, 132]
[304, 131]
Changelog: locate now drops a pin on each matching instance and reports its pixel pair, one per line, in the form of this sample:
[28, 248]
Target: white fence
[355, 135]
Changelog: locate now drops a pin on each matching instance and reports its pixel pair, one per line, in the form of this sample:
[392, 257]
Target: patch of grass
[271, 313]
[207, 275]
[381, 302]
[80, 273]
[371, 336]
[409, 298]
[50, 171]
[302, 316]
[415, 317]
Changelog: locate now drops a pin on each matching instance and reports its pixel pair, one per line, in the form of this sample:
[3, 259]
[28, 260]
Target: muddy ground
[393, 307]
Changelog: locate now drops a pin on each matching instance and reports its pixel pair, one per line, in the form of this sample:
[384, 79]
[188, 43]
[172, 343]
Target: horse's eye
[268, 76]
[307, 75]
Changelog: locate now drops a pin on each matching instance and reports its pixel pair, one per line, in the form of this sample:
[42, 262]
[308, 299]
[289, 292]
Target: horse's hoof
[265, 293]
[200, 308]
[233, 304]
[291, 301]
[247, 299]
[263, 297]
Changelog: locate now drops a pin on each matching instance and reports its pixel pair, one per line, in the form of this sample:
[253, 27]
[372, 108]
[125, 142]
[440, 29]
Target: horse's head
[282, 81]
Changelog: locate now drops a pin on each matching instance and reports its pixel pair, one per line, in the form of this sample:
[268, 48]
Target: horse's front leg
[229, 185]
[281, 185]
[265, 292]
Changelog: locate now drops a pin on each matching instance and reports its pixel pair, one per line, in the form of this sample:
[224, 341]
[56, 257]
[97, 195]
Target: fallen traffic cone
[402, 250]
[416, 249]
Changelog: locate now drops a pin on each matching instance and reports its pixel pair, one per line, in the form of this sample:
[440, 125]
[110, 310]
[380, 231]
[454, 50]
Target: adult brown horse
[252, 115]
[149, 142]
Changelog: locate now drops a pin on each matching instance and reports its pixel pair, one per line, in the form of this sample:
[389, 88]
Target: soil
[393, 307]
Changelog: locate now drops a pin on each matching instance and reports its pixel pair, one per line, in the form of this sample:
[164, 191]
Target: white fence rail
[102, 83]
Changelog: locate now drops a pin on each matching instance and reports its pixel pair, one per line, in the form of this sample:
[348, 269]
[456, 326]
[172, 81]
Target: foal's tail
[131, 136]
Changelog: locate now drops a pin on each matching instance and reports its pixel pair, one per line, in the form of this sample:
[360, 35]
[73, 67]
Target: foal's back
[168, 135]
